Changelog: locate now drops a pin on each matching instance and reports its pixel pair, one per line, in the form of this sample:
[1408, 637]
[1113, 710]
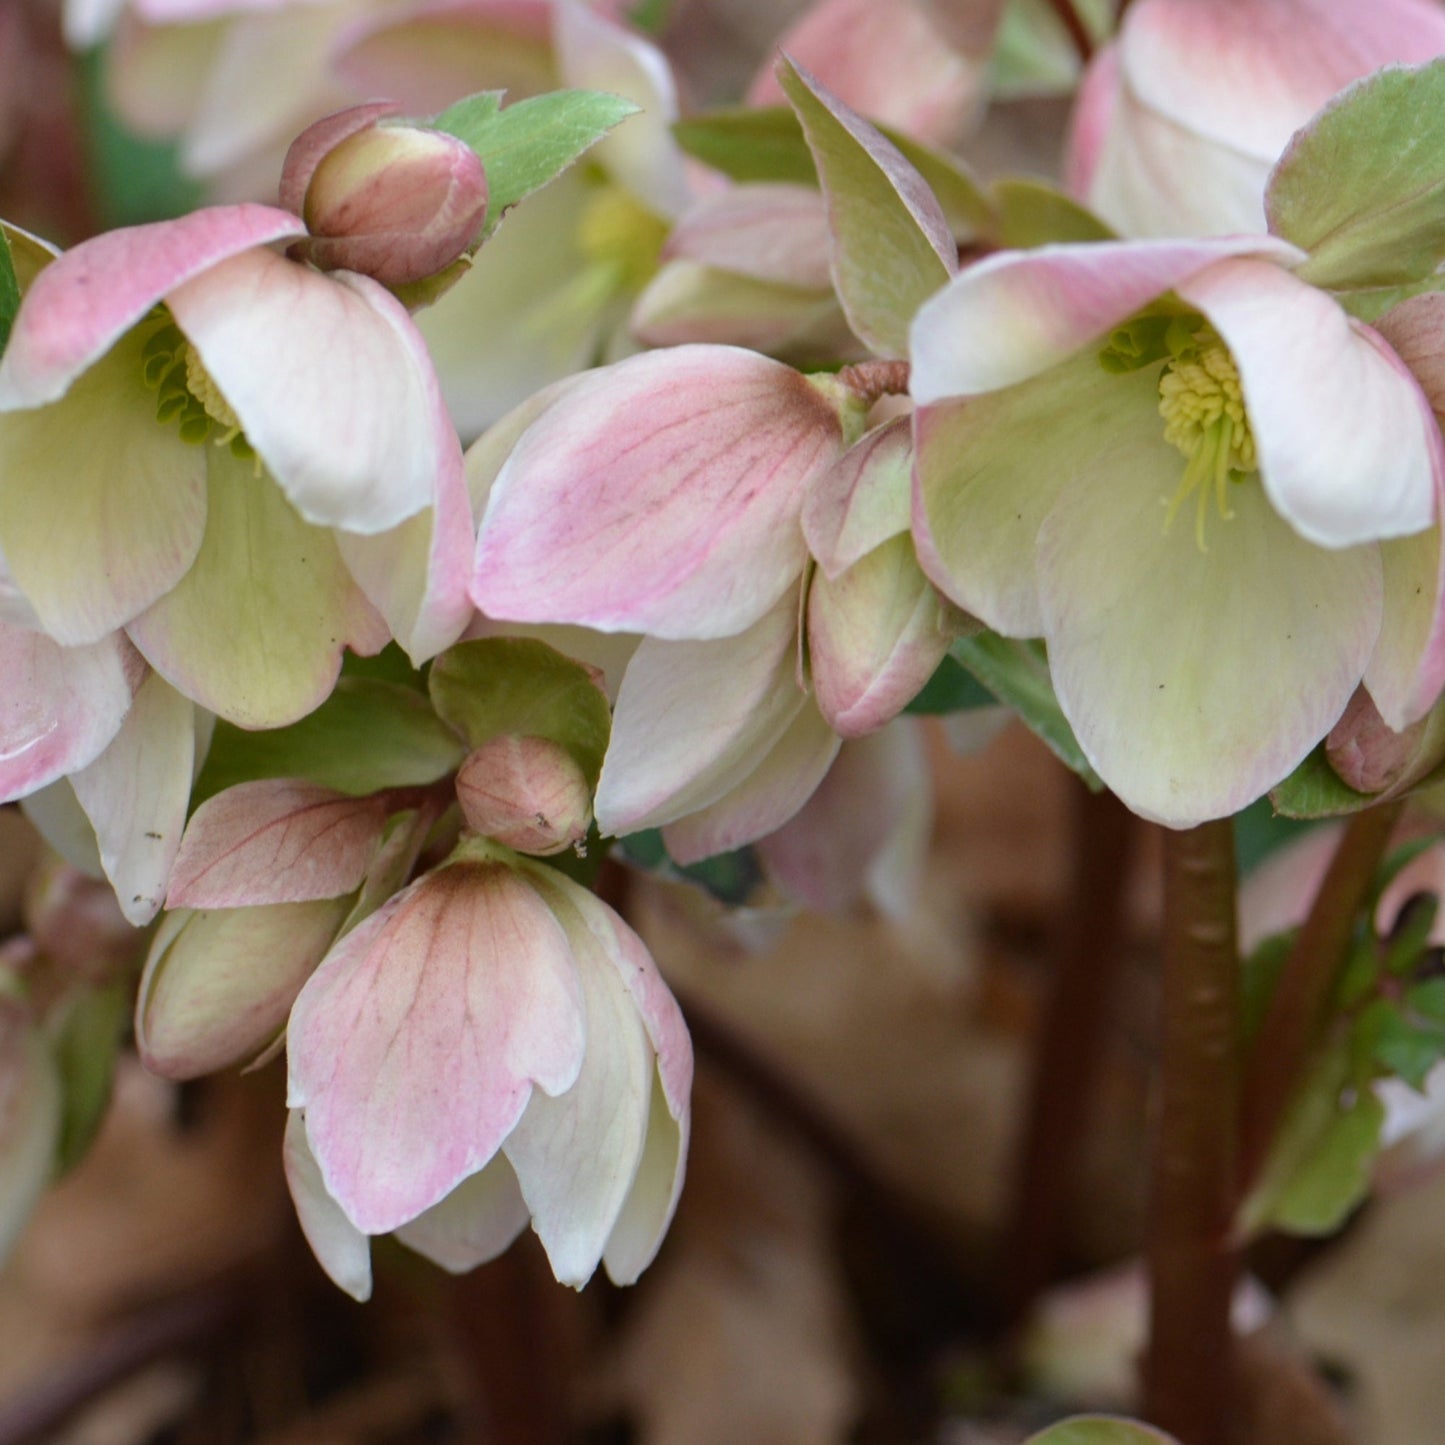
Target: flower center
[622, 235]
[186, 393]
[1204, 417]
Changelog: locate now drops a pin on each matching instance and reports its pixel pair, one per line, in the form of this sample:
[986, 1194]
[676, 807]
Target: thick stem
[1192, 1262]
[1299, 1008]
[1088, 953]
[1078, 32]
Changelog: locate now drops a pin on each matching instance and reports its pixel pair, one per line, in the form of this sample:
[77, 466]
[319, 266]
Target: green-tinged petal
[1196, 679]
[101, 506]
[255, 630]
[988, 470]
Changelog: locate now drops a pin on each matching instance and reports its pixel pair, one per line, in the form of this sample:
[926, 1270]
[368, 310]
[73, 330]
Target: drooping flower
[171, 392]
[1211, 509]
[1180, 119]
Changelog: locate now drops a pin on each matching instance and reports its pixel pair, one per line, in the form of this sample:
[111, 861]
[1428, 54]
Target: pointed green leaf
[1315, 790]
[1100, 1430]
[1034, 213]
[952, 688]
[1406, 1049]
[366, 736]
[523, 146]
[9, 290]
[1017, 674]
[1362, 186]
[499, 685]
[748, 144]
[966, 205]
[891, 247]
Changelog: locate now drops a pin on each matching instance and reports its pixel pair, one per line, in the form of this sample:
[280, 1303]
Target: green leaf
[85, 1043]
[967, 206]
[523, 146]
[732, 878]
[1033, 213]
[499, 685]
[748, 144]
[1100, 1430]
[891, 247]
[1319, 1168]
[1362, 186]
[9, 290]
[1315, 790]
[1017, 674]
[1406, 1049]
[366, 736]
[952, 688]
[1427, 1000]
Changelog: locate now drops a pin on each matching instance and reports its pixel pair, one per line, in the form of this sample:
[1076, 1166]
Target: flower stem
[1299, 1007]
[1192, 1261]
[1078, 32]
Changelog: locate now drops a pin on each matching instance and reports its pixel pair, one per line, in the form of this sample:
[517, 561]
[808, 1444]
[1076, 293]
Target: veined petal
[59, 706]
[761, 802]
[87, 298]
[1195, 680]
[660, 495]
[136, 793]
[332, 384]
[771, 232]
[679, 740]
[1348, 448]
[102, 507]
[596, 53]
[415, 1047]
[863, 499]
[255, 630]
[474, 1223]
[341, 1249]
[1016, 314]
[987, 471]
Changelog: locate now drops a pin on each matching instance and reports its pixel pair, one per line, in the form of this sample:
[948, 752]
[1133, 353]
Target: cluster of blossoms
[349, 715]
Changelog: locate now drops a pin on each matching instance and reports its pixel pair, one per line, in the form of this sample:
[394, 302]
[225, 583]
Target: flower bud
[396, 202]
[1372, 758]
[528, 793]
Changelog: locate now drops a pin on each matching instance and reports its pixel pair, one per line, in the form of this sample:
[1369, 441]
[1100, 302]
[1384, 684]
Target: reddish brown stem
[1192, 1263]
[1299, 1008]
[1066, 1051]
[1078, 32]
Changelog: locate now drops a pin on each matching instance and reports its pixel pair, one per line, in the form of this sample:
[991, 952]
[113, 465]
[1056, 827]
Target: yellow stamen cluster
[186, 394]
[1204, 417]
[620, 234]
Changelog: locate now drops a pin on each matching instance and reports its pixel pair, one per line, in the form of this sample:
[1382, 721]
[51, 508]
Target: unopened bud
[528, 793]
[1372, 758]
[396, 202]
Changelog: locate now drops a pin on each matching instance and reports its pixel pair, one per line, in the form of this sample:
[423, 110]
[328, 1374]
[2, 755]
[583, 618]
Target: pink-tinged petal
[87, 298]
[988, 470]
[1407, 672]
[1021, 312]
[1249, 73]
[1091, 120]
[218, 985]
[863, 499]
[888, 61]
[770, 232]
[1348, 448]
[332, 384]
[275, 840]
[155, 76]
[679, 740]
[102, 507]
[256, 634]
[475, 1223]
[661, 495]
[876, 634]
[317, 139]
[415, 1047]
[760, 803]
[576, 1155]
[1196, 679]
[136, 793]
[59, 706]
[864, 830]
[341, 1249]
[596, 53]
[433, 52]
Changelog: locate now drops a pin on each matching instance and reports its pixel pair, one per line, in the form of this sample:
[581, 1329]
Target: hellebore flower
[493, 1019]
[173, 391]
[1204, 505]
[1180, 119]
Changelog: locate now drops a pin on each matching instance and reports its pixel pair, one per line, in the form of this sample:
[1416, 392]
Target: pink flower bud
[528, 793]
[395, 202]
